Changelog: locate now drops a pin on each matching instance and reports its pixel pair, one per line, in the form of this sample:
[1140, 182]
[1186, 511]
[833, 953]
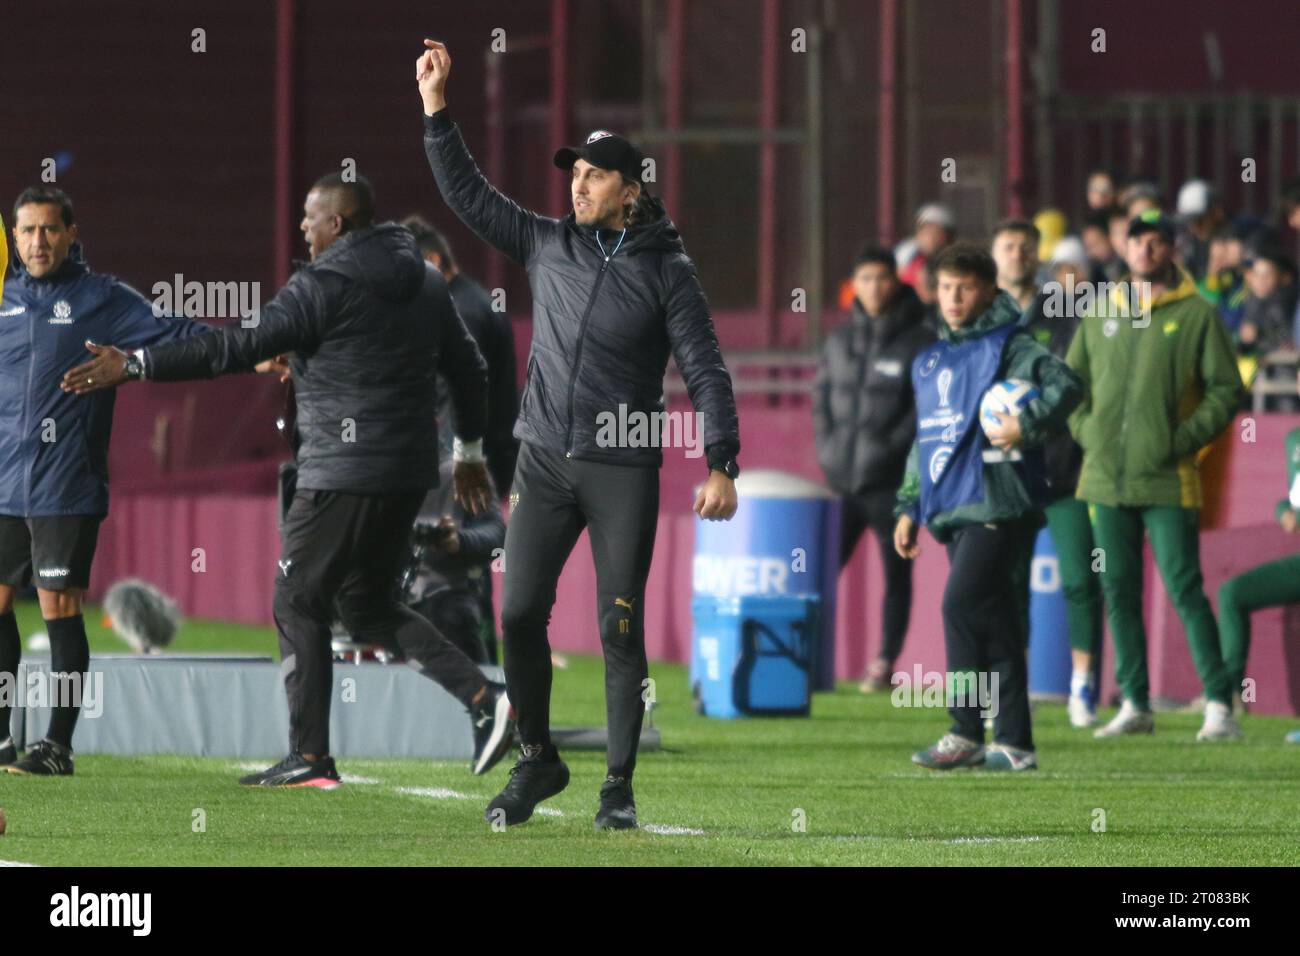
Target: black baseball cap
[606, 150]
[1153, 220]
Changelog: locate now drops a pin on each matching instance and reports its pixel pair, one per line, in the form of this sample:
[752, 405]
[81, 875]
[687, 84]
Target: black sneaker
[8, 752]
[297, 771]
[617, 808]
[494, 729]
[45, 759]
[533, 779]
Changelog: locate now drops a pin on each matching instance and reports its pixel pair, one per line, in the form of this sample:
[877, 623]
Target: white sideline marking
[350, 778]
[436, 793]
[665, 830]
[14, 863]
[442, 793]
[859, 837]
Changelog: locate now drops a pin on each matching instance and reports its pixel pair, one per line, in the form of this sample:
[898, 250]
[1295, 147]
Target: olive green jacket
[1159, 388]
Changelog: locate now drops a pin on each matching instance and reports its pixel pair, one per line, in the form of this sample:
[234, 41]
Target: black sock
[11, 652]
[69, 654]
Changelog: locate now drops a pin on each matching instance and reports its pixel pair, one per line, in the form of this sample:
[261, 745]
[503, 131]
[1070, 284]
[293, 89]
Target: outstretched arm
[291, 321]
[496, 219]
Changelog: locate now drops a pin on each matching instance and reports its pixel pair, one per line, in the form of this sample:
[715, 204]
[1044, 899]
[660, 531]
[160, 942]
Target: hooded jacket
[1006, 498]
[608, 310]
[1158, 390]
[368, 324]
[54, 444]
[864, 413]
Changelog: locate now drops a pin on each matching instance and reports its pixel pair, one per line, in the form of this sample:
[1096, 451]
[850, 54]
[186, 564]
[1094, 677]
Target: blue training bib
[949, 381]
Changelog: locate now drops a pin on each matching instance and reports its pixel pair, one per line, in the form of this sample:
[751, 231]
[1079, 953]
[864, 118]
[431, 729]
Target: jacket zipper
[27, 409]
[577, 356]
[1123, 424]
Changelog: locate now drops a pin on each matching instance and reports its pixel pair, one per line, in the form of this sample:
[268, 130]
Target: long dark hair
[641, 211]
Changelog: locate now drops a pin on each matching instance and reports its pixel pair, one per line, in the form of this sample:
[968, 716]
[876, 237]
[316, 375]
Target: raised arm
[496, 219]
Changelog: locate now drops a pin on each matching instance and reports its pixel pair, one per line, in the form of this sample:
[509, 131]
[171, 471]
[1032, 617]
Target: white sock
[1079, 682]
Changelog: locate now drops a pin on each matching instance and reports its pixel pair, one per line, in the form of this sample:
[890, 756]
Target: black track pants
[619, 505]
[349, 549]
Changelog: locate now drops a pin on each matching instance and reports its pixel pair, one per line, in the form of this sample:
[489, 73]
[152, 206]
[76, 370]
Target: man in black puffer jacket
[368, 325]
[611, 300]
[864, 420]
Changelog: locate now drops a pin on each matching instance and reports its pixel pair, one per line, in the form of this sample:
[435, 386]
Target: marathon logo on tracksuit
[949, 381]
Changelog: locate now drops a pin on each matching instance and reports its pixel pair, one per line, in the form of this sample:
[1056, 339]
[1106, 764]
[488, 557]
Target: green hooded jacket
[1159, 389]
[1005, 495]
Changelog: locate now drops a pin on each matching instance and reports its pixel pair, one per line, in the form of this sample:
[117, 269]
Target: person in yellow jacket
[4, 254]
[1161, 386]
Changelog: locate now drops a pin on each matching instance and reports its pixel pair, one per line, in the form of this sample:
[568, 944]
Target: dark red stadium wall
[1159, 47]
[173, 153]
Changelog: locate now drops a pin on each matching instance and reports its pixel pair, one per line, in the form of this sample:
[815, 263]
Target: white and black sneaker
[45, 759]
[617, 808]
[8, 752]
[494, 729]
[296, 770]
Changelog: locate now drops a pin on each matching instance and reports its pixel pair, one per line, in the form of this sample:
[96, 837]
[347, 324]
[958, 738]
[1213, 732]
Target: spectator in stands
[495, 336]
[1201, 214]
[1266, 317]
[1051, 226]
[1223, 285]
[1267, 585]
[1070, 264]
[864, 418]
[1102, 257]
[1138, 197]
[1161, 386]
[1291, 203]
[935, 229]
[1270, 302]
[1101, 190]
[1117, 227]
[1015, 253]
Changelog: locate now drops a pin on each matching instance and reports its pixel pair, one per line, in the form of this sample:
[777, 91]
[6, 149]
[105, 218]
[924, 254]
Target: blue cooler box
[783, 542]
[754, 655]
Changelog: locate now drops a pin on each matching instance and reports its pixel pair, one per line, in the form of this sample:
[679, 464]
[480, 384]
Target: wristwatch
[730, 469]
[134, 368]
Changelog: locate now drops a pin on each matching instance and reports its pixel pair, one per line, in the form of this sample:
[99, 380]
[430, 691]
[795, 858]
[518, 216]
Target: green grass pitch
[834, 789]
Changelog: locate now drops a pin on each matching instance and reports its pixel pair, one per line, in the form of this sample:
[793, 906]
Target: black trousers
[875, 510]
[619, 506]
[988, 584]
[458, 615]
[347, 549]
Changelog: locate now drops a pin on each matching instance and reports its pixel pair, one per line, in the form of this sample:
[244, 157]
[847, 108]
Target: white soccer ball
[1008, 397]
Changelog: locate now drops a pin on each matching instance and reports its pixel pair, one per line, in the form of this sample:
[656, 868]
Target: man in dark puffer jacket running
[369, 325]
[611, 300]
